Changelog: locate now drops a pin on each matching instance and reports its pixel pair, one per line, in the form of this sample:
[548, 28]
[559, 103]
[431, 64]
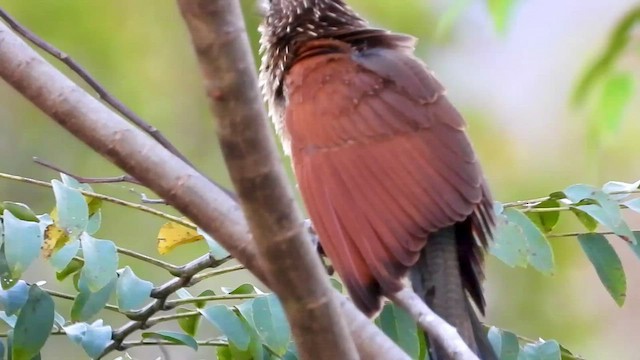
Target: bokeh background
[513, 86]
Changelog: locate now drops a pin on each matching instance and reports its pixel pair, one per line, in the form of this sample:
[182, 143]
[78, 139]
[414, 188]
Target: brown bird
[386, 171]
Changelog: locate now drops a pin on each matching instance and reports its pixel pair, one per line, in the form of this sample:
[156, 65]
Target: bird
[385, 168]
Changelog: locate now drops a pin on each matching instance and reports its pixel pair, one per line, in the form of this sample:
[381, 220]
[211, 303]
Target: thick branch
[292, 266]
[137, 154]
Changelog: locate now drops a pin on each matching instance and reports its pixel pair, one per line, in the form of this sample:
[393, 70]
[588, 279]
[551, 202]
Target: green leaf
[618, 42]
[501, 11]
[13, 299]
[229, 324]
[400, 327]
[271, 323]
[504, 343]
[34, 325]
[63, 257]
[94, 223]
[633, 204]
[58, 320]
[201, 304]
[74, 184]
[540, 254]
[617, 225]
[336, 284]
[546, 221]
[578, 192]
[93, 338]
[607, 212]
[131, 291]
[607, 265]
[87, 304]
[616, 94]
[21, 211]
[243, 289]
[544, 350]
[509, 244]
[246, 316]
[173, 337]
[224, 353]
[188, 324]
[22, 242]
[9, 319]
[619, 190]
[73, 267]
[184, 294]
[636, 246]
[587, 220]
[100, 262]
[73, 212]
[216, 250]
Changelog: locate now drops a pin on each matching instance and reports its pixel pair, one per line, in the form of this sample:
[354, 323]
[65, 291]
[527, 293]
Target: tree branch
[446, 335]
[140, 156]
[297, 276]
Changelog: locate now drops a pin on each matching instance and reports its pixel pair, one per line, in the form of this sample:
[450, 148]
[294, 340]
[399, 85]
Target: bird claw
[315, 241]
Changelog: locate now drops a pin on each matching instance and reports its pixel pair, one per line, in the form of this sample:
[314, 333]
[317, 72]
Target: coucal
[385, 168]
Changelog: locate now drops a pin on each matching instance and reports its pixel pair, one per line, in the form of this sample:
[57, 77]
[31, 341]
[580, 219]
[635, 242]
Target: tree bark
[291, 264]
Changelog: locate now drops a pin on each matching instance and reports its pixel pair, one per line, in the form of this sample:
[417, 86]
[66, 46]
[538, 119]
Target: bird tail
[448, 271]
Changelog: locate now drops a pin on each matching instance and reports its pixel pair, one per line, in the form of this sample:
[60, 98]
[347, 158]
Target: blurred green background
[513, 86]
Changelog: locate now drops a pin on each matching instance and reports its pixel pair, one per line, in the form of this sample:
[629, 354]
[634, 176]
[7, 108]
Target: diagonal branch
[447, 335]
[105, 95]
[99, 89]
[142, 157]
[292, 266]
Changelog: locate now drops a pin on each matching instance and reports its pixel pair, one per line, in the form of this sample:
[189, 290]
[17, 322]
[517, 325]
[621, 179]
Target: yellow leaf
[172, 235]
[54, 239]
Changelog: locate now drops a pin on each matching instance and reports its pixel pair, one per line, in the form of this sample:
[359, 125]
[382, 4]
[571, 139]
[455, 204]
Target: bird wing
[382, 160]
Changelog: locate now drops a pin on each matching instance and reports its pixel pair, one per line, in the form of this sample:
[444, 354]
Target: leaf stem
[158, 319]
[216, 272]
[176, 302]
[172, 269]
[105, 198]
[61, 295]
[146, 342]
[532, 202]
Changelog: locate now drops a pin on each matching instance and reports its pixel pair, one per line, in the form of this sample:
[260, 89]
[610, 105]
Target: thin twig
[105, 198]
[216, 272]
[147, 200]
[163, 318]
[99, 89]
[172, 269]
[173, 303]
[87, 180]
[61, 295]
[144, 342]
[532, 202]
[57, 331]
[574, 234]
[446, 335]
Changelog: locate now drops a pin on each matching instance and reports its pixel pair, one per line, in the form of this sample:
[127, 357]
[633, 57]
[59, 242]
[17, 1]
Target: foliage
[609, 86]
[257, 328]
